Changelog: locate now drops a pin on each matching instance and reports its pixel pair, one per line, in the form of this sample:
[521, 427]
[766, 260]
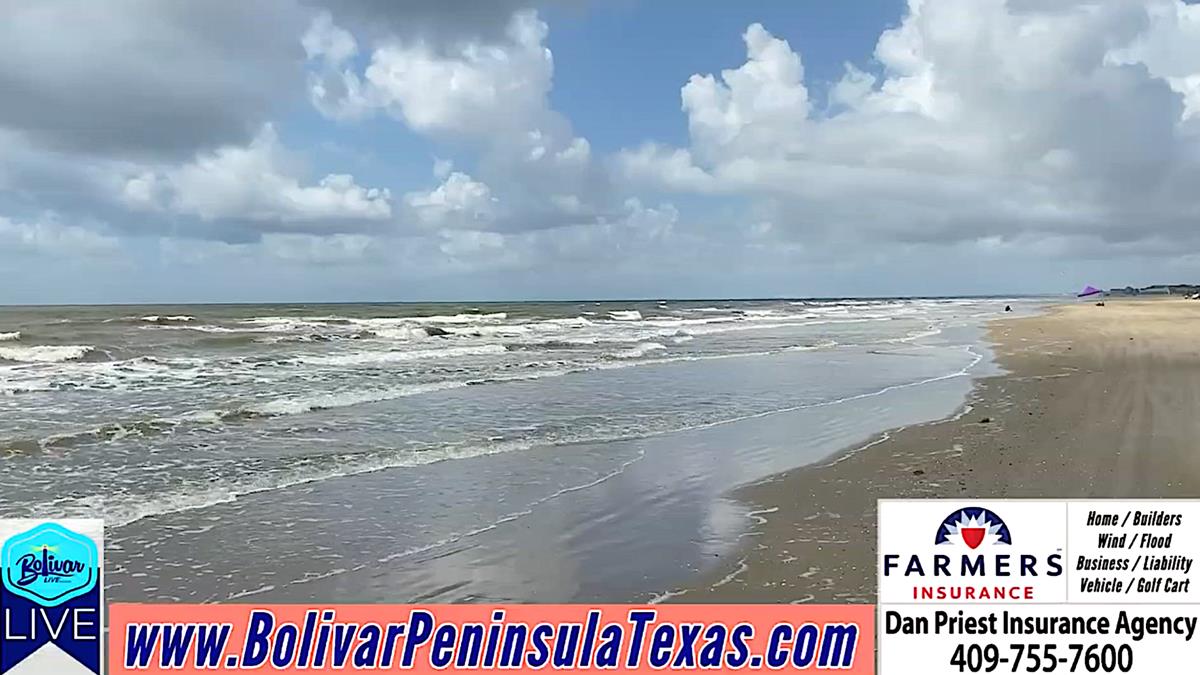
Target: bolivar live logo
[49, 599]
[972, 550]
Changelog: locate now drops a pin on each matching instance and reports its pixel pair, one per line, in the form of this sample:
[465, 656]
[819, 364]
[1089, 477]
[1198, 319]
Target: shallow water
[542, 451]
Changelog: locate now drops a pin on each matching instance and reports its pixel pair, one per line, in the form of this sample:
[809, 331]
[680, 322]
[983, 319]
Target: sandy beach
[1096, 402]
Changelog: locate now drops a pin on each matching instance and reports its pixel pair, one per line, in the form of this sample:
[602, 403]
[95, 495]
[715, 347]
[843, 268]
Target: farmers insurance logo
[973, 527]
[969, 557]
[49, 598]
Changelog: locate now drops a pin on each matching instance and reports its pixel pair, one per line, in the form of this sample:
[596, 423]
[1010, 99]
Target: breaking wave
[304, 404]
[10, 337]
[639, 351]
[375, 357]
[45, 353]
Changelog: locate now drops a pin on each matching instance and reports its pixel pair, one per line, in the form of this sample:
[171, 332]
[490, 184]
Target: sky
[374, 150]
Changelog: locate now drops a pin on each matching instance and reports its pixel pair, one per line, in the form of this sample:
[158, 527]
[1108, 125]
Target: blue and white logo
[51, 596]
[49, 565]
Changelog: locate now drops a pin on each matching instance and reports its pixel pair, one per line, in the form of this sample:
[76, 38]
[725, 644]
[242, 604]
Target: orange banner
[580, 638]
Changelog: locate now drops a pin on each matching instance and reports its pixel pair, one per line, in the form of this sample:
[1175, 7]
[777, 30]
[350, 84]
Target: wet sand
[1097, 402]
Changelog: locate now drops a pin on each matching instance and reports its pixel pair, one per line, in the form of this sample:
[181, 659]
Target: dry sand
[1097, 402]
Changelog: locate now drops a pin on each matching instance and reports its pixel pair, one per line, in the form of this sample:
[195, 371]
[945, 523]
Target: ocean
[553, 451]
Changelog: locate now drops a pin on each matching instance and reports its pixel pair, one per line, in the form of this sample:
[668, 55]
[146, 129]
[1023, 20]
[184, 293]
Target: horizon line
[825, 298]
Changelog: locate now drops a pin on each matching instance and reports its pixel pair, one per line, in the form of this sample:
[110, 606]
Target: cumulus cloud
[1000, 129]
[459, 202]
[488, 93]
[754, 109]
[253, 183]
[475, 89]
[989, 118]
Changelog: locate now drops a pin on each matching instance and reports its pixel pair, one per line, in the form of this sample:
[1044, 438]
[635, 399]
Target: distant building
[1157, 289]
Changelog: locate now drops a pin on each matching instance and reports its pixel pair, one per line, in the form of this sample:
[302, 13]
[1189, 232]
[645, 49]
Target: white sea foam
[206, 328]
[458, 318]
[625, 315]
[154, 318]
[639, 350]
[282, 324]
[393, 321]
[45, 353]
[304, 404]
[399, 333]
[10, 337]
[364, 358]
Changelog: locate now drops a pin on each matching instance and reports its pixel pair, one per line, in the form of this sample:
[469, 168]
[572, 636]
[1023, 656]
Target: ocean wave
[458, 318]
[376, 357]
[179, 318]
[283, 325]
[311, 337]
[625, 315]
[823, 344]
[400, 333]
[305, 404]
[639, 351]
[10, 337]
[89, 374]
[280, 407]
[206, 328]
[119, 510]
[384, 322]
[45, 353]
[551, 345]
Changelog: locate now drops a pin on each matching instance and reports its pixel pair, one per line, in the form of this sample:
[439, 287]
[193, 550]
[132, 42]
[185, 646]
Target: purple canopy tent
[1090, 291]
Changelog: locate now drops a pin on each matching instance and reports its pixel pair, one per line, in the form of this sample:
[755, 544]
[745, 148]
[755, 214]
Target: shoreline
[1092, 402]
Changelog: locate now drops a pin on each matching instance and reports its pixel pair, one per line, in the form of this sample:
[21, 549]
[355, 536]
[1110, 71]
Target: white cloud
[635, 236]
[754, 109]
[292, 248]
[47, 236]
[253, 183]
[672, 167]
[990, 119]
[487, 93]
[459, 202]
[324, 40]
[442, 167]
[323, 250]
[475, 89]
